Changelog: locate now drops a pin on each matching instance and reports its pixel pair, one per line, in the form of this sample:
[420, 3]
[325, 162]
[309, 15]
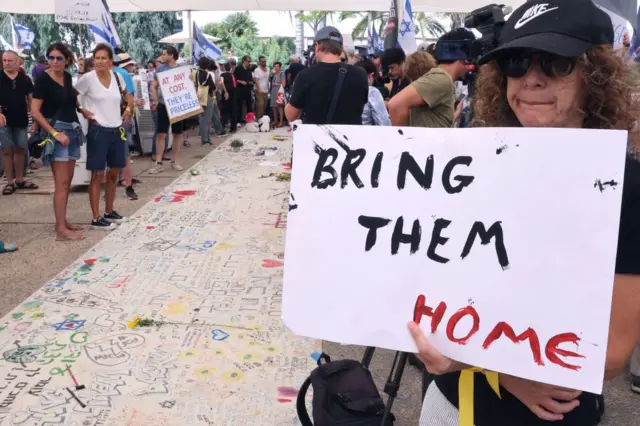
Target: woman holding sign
[555, 67]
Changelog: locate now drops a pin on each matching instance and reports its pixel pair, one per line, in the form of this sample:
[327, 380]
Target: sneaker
[131, 194]
[176, 166]
[156, 169]
[635, 383]
[222, 135]
[102, 225]
[114, 217]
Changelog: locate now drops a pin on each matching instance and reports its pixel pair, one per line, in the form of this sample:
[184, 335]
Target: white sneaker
[176, 166]
[156, 169]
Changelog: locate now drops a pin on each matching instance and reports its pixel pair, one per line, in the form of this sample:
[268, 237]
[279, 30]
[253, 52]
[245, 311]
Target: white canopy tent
[47, 6]
[185, 37]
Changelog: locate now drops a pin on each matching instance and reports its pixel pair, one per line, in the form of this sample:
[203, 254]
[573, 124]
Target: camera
[488, 20]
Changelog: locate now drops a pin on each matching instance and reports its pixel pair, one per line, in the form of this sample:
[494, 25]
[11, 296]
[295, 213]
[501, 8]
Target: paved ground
[28, 220]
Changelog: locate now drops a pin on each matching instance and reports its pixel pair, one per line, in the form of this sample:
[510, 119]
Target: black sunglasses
[56, 58]
[516, 65]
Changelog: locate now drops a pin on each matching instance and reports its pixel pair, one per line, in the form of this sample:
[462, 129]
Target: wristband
[55, 133]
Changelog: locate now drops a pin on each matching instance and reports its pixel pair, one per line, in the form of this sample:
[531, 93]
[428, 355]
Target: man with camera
[329, 92]
[429, 101]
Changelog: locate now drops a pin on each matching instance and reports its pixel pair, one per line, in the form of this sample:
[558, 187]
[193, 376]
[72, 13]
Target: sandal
[26, 185]
[186, 144]
[7, 247]
[9, 189]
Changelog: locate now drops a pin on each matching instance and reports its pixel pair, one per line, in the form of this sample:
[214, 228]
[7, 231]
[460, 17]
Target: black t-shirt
[204, 79]
[227, 79]
[314, 89]
[57, 99]
[397, 86]
[243, 74]
[293, 71]
[13, 99]
[489, 410]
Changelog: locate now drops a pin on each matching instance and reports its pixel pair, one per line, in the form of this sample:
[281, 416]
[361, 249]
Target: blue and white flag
[374, 42]
[407, 30]
[22, 36]
[203, 47]
[105, 31]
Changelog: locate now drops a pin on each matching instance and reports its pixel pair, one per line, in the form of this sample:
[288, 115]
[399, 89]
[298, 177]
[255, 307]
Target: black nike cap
[562, 27]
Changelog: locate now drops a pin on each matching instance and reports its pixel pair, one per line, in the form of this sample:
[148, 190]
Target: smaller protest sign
[179, 93]
[78, 11]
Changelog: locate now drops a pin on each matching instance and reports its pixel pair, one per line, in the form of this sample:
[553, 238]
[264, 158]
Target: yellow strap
[44, 142]
[465, 392]
[123, 135]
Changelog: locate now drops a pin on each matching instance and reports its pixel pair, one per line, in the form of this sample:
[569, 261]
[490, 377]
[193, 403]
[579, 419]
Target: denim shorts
[71, 152]
[105, 148]
[13, 137]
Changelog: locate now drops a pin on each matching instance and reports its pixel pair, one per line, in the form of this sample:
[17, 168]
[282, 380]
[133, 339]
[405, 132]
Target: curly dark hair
[611, 99]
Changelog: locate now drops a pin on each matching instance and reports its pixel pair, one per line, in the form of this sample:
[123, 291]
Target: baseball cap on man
[328, 33]
[562, 27]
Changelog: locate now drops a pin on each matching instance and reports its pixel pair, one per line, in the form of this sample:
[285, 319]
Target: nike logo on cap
[532, 13]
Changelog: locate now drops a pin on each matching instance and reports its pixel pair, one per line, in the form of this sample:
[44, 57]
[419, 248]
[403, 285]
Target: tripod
[392, 385]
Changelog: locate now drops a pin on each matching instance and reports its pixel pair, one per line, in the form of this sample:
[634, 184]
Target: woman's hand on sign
[545, 401]
[140, 103]
[433, 360]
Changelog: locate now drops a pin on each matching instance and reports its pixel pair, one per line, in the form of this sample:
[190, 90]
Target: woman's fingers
[435, 362]
[556, 407]
[563, 394]
[544, 414]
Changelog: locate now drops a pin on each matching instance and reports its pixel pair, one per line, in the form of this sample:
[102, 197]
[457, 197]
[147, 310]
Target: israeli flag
[22, 36]
[374, 42]
[105, 31]
[203, 47]
[406, 30]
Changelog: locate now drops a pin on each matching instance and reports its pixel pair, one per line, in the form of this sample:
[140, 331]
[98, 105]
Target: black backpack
[343, 394]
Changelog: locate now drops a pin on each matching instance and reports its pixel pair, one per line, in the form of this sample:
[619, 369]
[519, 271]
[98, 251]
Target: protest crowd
[559, 71]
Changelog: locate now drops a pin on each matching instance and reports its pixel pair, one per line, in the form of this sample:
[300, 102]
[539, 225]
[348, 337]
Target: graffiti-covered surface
[174, 318]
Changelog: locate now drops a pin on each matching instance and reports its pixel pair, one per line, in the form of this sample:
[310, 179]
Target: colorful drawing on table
[81, 299]
[270, 263]
[32, 305]
[223, 246]
[69, 325]
[219, 335]
[175, 196]
[23, 354]
[113, 350]
[287, 394]
[203, 247]
[453, 226]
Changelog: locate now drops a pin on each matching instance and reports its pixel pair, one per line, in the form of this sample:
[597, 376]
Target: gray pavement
[27, 219]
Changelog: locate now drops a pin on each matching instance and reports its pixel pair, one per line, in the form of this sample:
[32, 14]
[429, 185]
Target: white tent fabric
[47, 6]
[183, 37]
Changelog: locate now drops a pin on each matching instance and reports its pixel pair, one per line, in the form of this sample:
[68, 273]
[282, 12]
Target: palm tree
[314, 18]
[457, 19]
[427, 24]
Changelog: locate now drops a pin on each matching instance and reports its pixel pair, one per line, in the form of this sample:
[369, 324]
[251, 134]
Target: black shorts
[164, 124]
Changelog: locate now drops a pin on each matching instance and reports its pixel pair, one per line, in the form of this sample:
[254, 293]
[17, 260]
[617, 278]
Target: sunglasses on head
[55, 58]
[517, 64]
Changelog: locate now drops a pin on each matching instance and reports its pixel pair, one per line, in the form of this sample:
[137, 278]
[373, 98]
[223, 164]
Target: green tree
[239, 32]
[234, 25]
[140, 32]
[314, 19]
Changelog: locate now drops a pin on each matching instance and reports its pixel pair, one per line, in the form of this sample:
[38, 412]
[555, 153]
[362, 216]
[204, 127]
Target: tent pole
[190, 25]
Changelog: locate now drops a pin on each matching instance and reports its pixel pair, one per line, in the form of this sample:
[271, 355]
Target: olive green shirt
[438, 91]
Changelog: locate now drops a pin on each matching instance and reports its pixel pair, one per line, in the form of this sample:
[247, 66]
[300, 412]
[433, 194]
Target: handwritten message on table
[78, 11]
[179, 93]
[501, 243]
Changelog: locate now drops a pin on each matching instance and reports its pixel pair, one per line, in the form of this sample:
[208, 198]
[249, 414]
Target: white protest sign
[179, 93]
[487, 237]
[620, 27]
[78, 11]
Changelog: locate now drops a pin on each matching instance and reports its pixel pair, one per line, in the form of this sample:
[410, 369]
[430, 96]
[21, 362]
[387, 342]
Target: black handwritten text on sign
[345, 165]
